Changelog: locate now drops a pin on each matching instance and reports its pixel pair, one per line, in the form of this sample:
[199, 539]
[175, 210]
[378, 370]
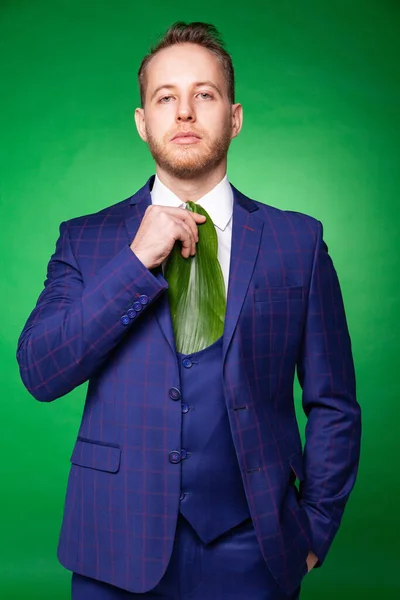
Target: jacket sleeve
[326, 374]
[74, 326]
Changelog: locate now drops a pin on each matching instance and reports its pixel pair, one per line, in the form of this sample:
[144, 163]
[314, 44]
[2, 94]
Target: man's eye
[205, 95]
[165, 99]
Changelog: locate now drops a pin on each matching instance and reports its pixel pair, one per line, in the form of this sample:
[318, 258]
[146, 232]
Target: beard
[192, 160]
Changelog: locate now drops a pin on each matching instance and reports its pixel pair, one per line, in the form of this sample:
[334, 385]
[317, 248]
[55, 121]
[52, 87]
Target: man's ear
[237, 119]
[141, 123]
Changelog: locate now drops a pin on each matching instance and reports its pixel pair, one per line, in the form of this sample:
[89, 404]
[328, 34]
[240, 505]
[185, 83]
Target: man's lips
[187, 137]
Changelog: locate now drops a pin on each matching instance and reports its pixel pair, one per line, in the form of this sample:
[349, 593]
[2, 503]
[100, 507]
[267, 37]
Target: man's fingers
[159, 230]
[192, 219]
[190, 222]
[173, 210]
[184, 233]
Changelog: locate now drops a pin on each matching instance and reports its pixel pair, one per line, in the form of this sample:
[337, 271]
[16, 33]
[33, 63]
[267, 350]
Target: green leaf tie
[196, 291]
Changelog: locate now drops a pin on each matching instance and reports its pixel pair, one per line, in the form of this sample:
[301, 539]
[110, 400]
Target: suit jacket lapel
[246, 236]
[138, 204]
[137, 207]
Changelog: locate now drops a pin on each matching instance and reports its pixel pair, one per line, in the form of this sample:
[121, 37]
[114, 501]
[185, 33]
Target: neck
[191, 190]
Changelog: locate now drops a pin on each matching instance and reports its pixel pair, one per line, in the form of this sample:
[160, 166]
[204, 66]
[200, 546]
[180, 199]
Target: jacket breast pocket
[281, 304]
[96, 455]
[278, 294]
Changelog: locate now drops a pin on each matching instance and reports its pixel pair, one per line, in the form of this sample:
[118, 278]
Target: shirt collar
[218, 202]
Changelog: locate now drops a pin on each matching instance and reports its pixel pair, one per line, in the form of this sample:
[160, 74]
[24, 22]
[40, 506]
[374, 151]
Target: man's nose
[185, 112]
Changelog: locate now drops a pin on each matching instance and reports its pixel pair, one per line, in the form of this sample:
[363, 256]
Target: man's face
[186, 94]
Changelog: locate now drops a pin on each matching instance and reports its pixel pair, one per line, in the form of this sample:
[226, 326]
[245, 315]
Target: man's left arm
[326, 374]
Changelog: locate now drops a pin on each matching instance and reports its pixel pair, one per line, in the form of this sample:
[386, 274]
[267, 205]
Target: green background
[319, 82]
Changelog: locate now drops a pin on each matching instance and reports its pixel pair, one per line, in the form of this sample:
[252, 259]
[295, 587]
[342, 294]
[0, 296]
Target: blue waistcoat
[212, 493]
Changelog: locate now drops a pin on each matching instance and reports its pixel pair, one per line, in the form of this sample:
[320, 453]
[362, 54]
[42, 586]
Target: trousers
[228, 568]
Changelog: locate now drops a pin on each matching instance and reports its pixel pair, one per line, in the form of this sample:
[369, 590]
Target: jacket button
[174, 456]
[143, 299]
[137, 306]
[174, 393]
[131, 313]
[125, 320]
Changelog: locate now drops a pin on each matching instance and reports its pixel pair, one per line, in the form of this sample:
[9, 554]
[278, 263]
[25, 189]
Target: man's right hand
[160, 228]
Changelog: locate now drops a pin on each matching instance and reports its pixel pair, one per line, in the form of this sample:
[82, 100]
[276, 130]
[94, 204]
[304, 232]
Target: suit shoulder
[298, 221]
[106, 215]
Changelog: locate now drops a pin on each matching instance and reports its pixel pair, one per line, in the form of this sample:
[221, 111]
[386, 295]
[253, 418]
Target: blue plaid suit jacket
[284, 313]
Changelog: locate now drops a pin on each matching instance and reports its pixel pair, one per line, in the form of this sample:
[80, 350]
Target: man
[182, 482]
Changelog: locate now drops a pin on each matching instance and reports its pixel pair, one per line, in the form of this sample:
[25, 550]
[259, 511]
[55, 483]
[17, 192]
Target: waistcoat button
[187, 363]
[174, 456]
[174, 393]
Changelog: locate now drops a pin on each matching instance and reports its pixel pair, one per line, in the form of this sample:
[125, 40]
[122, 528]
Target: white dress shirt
[219, 205]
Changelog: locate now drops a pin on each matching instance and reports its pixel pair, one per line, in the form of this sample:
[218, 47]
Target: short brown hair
[203, 34]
